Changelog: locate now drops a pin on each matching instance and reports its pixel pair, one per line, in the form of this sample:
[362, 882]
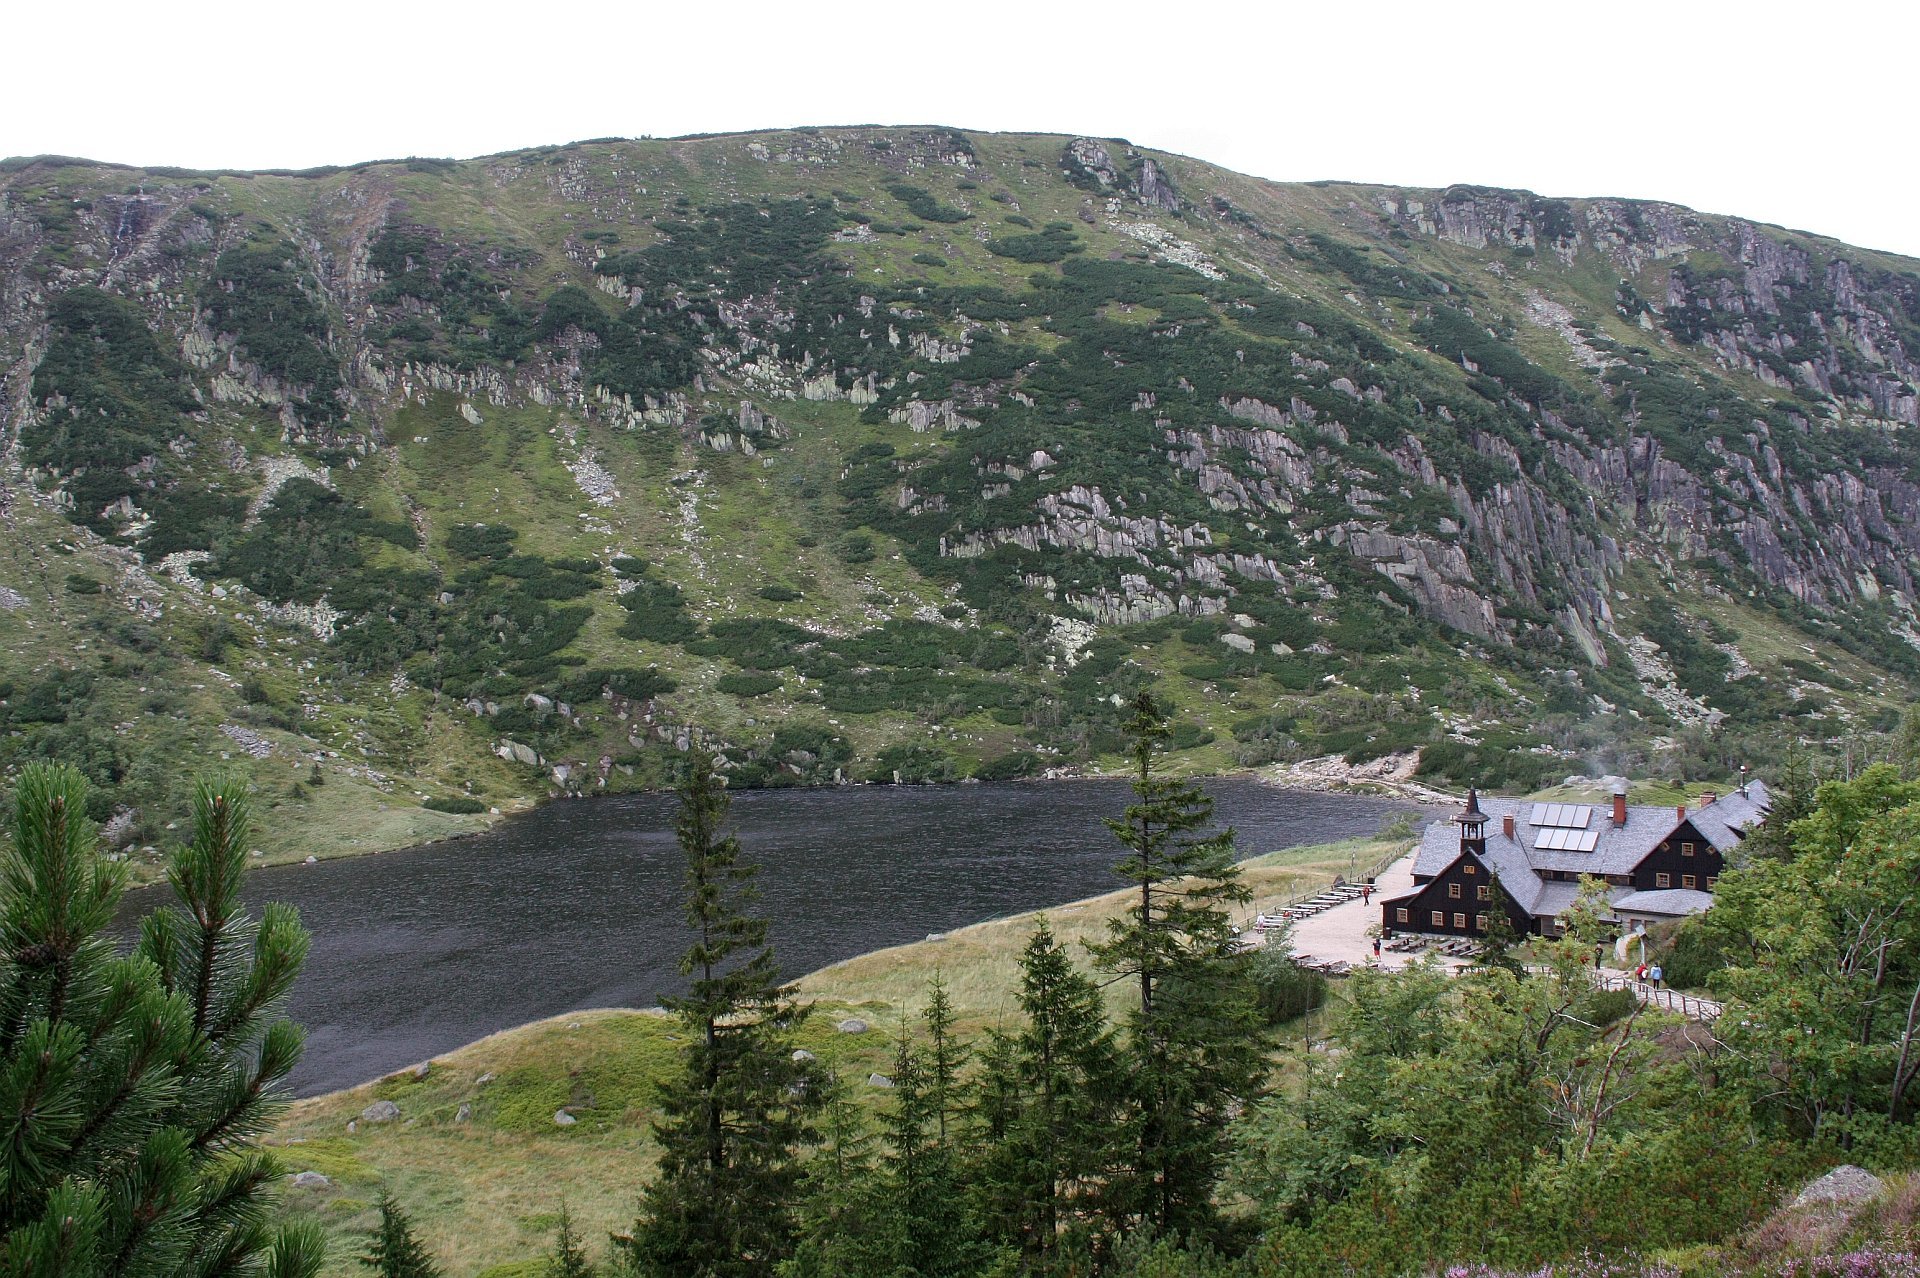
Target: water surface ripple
[578, 904]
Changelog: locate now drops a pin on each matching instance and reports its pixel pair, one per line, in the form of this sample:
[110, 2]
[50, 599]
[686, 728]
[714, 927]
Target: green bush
[1008, 767]
[459, 805]
[779, 594]
[1604, 1007]
[482, 541]
[751, 683]
[923, 204]
[656, 612]
[912, 765]
[1053, 244]
[1286, 991]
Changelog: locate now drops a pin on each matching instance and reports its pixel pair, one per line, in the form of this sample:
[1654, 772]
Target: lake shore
[334, 831]
[477, 1148]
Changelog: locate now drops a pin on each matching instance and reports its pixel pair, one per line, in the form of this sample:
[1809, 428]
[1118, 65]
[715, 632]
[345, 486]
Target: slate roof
[1519, 862]
[1669, 901]
[1723, 821]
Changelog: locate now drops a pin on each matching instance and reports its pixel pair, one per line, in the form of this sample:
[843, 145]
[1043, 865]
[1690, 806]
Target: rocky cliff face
[1048, 377]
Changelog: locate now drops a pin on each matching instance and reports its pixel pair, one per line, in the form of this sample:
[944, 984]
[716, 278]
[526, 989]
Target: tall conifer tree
[839, 1210]
[736, 1115]
[134, 1087]
[1195, 1043]
[925, 1229]
[1050, 1096]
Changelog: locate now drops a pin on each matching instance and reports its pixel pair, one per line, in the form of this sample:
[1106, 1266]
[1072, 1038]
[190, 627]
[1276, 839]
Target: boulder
[1846, 1184]
[561, 1118]
[423, 1069]
[380, 1112]
[853, 1025]
[879, 1080]
[464, 1113]
[310, 1180]
[801, 1055]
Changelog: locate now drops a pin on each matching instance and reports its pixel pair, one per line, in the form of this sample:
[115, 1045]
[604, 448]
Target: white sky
[1798, 114]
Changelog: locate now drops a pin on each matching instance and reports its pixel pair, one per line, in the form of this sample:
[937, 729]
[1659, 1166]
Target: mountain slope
[877, 452]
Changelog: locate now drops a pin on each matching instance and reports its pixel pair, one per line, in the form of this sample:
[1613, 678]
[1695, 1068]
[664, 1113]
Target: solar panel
[1561, 816]
[1565, 839]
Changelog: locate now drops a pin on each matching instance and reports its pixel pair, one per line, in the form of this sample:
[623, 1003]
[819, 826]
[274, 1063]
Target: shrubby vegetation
[265, 300]
[1053, 244]
[119, 397]
[923, 205]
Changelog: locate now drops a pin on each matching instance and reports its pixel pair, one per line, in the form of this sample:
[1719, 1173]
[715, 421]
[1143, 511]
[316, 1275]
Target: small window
[1480, 922]
[1453, 891]
[1400, 915]
[1483, 893]
[1663, 879]
[1460, 921]
[1686, 849]
[1439, 919]
[1687, 880]
[1468, 869]
[1710, 879]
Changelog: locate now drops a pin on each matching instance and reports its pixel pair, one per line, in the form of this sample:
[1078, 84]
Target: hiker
[1376, 947]
[1656, 974]
[1598, 950]
[1366, 893]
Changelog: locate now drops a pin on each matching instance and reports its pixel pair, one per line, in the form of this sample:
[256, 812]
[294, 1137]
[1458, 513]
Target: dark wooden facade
[1684, 859]
[1454, 902]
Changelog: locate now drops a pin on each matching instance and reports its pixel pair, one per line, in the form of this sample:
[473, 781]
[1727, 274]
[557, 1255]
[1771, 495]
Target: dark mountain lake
[577, 905]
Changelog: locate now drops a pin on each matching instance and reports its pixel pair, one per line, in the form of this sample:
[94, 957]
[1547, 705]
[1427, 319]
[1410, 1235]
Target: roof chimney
[1506, 825]
[1707, 798]
[1680, 812]
[1619, 807]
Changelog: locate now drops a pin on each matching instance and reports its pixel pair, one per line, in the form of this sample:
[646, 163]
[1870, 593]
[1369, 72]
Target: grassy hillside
[486, 1189]
[901, 453]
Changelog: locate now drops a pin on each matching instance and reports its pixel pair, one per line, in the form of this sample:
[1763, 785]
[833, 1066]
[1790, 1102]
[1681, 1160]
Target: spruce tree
[392, 1250]
[1195, 1043]
[945, 1057]
[839, 1208]
[568, 1259]
[1500, 939]
[1050, 1097]
[134, 1086]
[736, 1114]
[924, 1229]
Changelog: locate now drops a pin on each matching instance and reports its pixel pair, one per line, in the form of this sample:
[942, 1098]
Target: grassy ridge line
[486, 1191]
